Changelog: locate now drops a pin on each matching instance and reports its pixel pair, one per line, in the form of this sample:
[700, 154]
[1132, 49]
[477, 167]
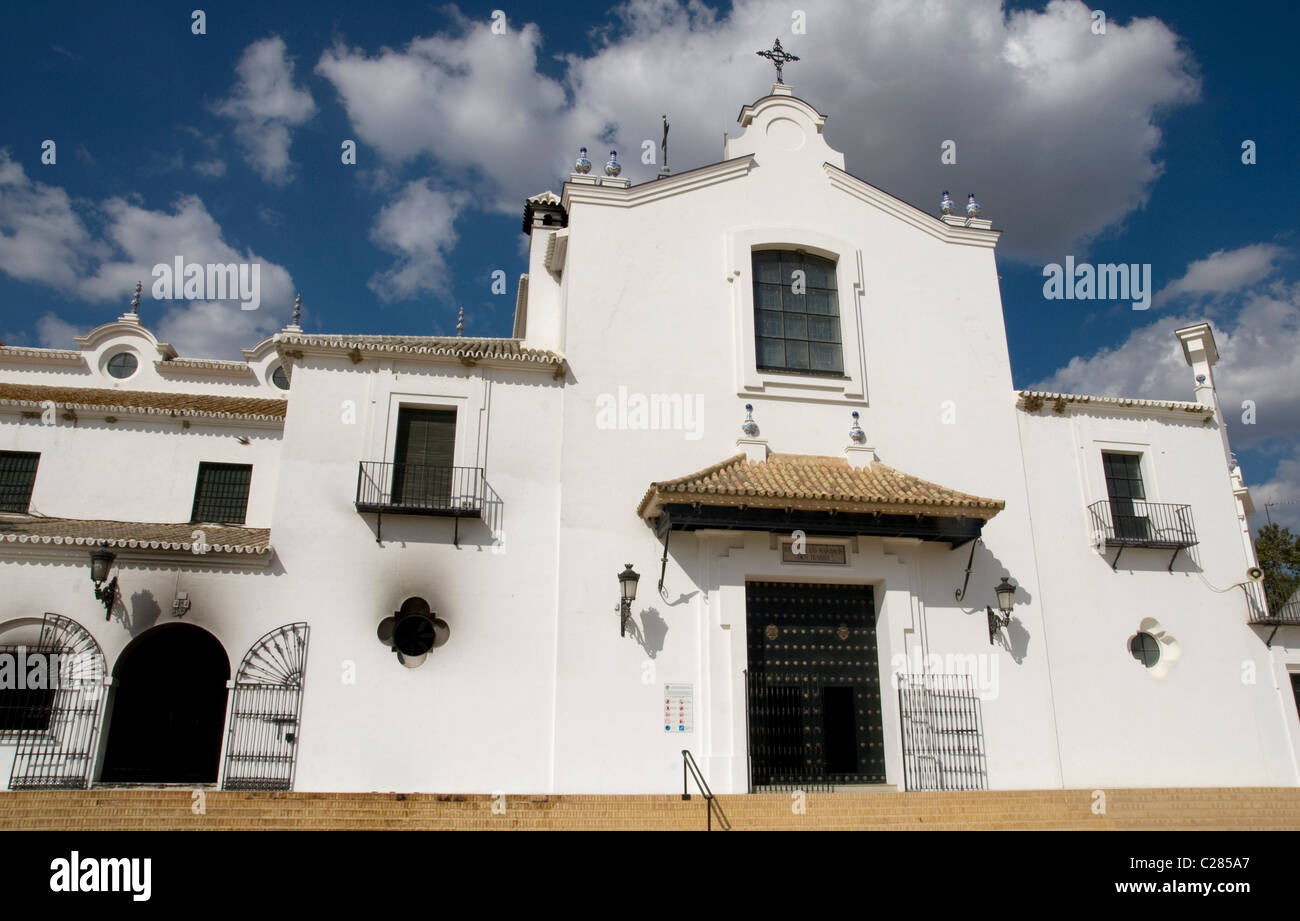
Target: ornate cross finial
[460, 322]
[779, 57]
[135, 300]
[297, 309]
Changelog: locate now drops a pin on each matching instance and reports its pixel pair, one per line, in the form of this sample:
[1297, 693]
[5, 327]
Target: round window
[122, 365]
[1145, 649]
[279, 378]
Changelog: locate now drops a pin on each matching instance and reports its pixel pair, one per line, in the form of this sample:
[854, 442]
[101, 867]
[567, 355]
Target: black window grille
[221, 494]
[796, 314]
[17, 477]
[27, 689]
[1127, 497]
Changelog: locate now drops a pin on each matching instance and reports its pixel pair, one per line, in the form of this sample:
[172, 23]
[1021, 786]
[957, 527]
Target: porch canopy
[818, 495]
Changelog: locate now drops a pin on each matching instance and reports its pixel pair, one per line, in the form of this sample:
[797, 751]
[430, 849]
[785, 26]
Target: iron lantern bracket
[996, 623]
[107, 595]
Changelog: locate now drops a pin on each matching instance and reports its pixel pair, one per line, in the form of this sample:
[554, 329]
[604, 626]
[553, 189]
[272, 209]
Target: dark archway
[169, 708]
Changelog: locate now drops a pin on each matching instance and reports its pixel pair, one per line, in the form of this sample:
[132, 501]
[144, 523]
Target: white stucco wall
[536, 691]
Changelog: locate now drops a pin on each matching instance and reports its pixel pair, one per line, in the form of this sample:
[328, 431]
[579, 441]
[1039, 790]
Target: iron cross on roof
[779, 57]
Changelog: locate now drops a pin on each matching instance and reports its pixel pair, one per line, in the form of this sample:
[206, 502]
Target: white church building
[783, 396]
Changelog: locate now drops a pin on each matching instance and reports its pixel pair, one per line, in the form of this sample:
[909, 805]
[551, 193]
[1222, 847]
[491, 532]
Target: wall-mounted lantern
[101, 564]
[627, 580]
[1006, 592]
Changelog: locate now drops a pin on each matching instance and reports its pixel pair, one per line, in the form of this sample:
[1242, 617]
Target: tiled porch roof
[815, 483]
[133, 535]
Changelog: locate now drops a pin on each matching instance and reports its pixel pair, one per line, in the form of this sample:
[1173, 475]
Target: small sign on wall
[679, 708]
[814, 553]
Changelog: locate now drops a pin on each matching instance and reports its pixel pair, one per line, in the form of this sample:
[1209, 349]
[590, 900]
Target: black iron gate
[59, 753]
[266, 706]
[943, 735]
[813, 686]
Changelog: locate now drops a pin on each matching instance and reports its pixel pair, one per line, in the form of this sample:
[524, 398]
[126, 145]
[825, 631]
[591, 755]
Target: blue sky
[1115, 147]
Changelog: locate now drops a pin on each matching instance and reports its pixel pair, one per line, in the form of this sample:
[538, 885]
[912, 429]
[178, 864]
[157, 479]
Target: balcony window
[1124, 486]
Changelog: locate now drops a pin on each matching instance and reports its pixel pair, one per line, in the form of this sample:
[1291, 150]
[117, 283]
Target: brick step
[106, 809]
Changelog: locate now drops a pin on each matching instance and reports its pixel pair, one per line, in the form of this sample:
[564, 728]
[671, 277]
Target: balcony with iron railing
[1287, 614]
[1138, 523]
[400, 488]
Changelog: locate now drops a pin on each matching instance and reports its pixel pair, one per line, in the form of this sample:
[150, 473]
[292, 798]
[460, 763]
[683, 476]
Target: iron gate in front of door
[813, 686]
[265, 712]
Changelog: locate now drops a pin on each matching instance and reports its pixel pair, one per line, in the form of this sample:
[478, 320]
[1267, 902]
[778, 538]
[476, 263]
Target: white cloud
[1225, 271]
[213, 169]
[1259, 360]
[42, 239]
[265, 104]
[418, 228]
[55, 333]
[45, 240]
[1055, 126]
[1283, 488]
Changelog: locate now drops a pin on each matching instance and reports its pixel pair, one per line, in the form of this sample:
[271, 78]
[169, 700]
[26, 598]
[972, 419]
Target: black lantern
[101, 563]
[627, 580]
[1006, 592]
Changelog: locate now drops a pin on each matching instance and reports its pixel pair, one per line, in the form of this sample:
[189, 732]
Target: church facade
[858, 556]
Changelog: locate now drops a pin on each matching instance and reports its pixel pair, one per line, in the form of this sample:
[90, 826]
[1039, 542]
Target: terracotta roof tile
[186, 404]
[811, 482]
[467, 349]
[22, 529]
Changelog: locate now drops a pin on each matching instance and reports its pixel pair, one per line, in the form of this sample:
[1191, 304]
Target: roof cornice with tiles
[199, 545]
[207, 407]
[44, 356]
[1031, 401]
[466, 351]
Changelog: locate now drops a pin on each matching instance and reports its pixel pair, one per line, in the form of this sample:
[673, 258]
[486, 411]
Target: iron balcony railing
[1288, 613]
[398, 488]
[1138, 523]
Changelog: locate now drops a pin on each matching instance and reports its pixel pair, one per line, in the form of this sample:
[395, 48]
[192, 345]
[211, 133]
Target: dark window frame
[1124, 487]
[220, 492]
[17, 483]
[421, 437]
[15, 702]
[135, 365]
[1143, 646]
[807, 327]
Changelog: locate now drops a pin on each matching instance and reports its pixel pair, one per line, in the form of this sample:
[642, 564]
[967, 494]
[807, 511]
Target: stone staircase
[181, 809]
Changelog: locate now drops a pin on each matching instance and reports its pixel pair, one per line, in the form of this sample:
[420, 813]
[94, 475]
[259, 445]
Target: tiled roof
[183, 404]
[544, 198]
[22, 529]
[467, 349]
[810, 482]
[1033, 400]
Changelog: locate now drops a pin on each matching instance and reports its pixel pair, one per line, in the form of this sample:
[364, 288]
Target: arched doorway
[168, 709]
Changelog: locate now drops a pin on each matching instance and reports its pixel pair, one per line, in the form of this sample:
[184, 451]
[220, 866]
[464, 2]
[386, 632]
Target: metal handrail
[688, 763]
